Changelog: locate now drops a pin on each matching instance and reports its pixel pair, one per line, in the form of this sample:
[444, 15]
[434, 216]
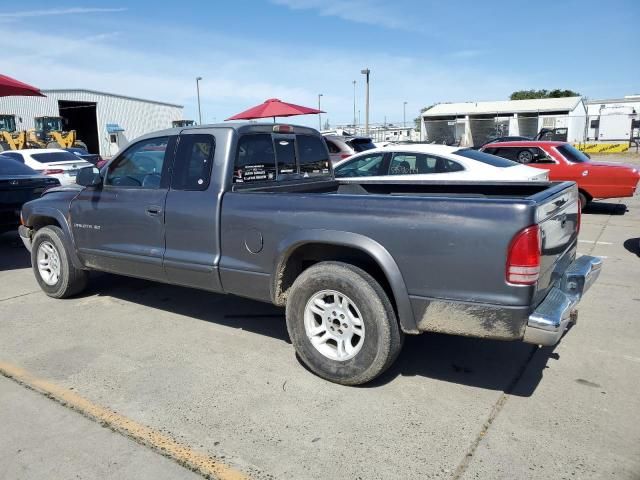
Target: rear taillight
[523, 258]
[579, 220]
[344, 155]
[52, 171]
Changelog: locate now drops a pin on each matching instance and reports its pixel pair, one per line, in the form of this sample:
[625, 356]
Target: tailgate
[558, 218]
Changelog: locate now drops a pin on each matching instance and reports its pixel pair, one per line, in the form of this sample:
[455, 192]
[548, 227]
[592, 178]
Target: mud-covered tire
[4, 147]
[48, 242]
[53, 145]
[381, 340]
[80, 144]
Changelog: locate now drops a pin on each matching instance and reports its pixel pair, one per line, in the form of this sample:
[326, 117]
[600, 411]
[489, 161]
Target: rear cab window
[264, 157]
[361, 144]
[53, 157]
[486, 158]
[572, 154]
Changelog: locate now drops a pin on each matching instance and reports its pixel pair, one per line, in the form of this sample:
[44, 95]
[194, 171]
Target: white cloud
[371, 12]
[59, 11]
[239, 77]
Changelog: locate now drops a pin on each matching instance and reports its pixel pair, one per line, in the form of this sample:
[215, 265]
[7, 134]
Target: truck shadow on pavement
[633, 245]
[606, 208]
[13, 255]
[473, 362]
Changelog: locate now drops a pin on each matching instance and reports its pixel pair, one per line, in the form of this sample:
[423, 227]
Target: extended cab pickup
[254, 210]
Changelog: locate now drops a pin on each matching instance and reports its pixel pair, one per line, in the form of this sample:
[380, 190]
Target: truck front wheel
[342, 324]
[52, 266]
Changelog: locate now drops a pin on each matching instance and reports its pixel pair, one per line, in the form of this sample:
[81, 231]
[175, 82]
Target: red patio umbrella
[274, 107]
[10, 87]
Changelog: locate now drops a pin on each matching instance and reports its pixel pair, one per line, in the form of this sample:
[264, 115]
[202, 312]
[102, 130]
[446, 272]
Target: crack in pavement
[18, 296]
[502, 399]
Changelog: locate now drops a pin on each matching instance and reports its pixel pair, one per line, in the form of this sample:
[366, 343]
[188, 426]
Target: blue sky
[420, 52]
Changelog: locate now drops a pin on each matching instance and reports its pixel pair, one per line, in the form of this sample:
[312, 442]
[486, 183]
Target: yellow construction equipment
[49, 133]
[10, 137]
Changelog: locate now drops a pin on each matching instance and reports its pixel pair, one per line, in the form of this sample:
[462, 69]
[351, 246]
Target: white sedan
[53, 162]
[434, 162]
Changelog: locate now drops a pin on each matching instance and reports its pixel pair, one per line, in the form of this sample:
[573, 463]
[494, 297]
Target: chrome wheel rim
[525, 157]
[48, 260]
[334, 325]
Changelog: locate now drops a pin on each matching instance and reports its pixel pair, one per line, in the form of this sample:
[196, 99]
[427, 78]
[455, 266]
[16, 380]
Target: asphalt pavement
[218, 376]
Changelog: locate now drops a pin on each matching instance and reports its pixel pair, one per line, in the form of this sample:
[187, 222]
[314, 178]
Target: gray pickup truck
[253, 210]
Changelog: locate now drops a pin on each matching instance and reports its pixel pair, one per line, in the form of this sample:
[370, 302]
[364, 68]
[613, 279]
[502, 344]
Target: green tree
[418, 119]
[530, 94]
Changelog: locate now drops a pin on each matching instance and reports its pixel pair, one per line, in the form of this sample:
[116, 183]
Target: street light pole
[404, 115]
[366, 72]
[319, 114]
[199, 109]
[355, 127]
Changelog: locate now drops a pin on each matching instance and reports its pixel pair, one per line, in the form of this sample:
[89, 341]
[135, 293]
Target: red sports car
[565, 162]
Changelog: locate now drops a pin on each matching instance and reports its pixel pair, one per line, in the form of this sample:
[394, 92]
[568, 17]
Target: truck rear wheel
[342, 324]
[52, 266]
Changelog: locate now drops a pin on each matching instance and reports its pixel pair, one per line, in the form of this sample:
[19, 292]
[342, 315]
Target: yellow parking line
[193, 460]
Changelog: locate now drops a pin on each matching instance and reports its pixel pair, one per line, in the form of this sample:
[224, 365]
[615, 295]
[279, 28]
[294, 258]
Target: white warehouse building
[104, 121]
[614, 119]
[474, 123]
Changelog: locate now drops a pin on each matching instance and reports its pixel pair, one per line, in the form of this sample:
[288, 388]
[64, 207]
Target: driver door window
[140, 166]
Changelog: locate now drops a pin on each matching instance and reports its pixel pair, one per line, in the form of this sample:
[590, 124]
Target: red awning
[274, 108]
[10, 87]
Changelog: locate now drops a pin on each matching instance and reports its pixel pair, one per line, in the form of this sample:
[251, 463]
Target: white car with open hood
[412, 162]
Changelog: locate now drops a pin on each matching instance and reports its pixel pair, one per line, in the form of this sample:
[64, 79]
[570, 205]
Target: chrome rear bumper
[550, 319]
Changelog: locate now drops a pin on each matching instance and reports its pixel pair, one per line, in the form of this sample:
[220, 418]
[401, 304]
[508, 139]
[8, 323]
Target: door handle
[153, 210]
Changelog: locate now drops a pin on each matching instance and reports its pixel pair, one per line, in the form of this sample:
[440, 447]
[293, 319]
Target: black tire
[4, 147]
[71, 280]
[584, 201]
[525, 156]
[382, 339]
[81, 144]
[53, 145]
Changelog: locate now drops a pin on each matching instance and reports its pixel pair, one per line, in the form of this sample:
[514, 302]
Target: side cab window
[142, 165]
[194, 159]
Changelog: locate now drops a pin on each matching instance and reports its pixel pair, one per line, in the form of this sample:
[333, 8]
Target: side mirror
[89, 177]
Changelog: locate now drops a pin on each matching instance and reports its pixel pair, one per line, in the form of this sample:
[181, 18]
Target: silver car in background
[342, 146]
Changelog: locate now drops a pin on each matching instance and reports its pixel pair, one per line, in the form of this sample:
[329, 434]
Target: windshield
[49, 123]
[572, 154]
[360, 144]
[483, 157]
[52, 157]
[7, 123]
[9, 166]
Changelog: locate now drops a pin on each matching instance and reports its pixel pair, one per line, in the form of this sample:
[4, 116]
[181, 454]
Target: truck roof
[240, 127]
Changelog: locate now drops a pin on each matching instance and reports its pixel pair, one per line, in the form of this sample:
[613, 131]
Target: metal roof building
[104, 121]
[474, 123]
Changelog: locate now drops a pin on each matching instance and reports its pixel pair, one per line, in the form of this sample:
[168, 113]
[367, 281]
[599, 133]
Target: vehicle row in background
[411, 162]
[52, 162]
[343, 146]
[18, 185]
[596, 180]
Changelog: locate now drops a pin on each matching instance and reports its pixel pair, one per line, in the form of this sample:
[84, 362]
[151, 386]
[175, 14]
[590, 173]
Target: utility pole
[355, 125]
[319, 114]
[198, 90]
[404, 115]
[366, 72]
